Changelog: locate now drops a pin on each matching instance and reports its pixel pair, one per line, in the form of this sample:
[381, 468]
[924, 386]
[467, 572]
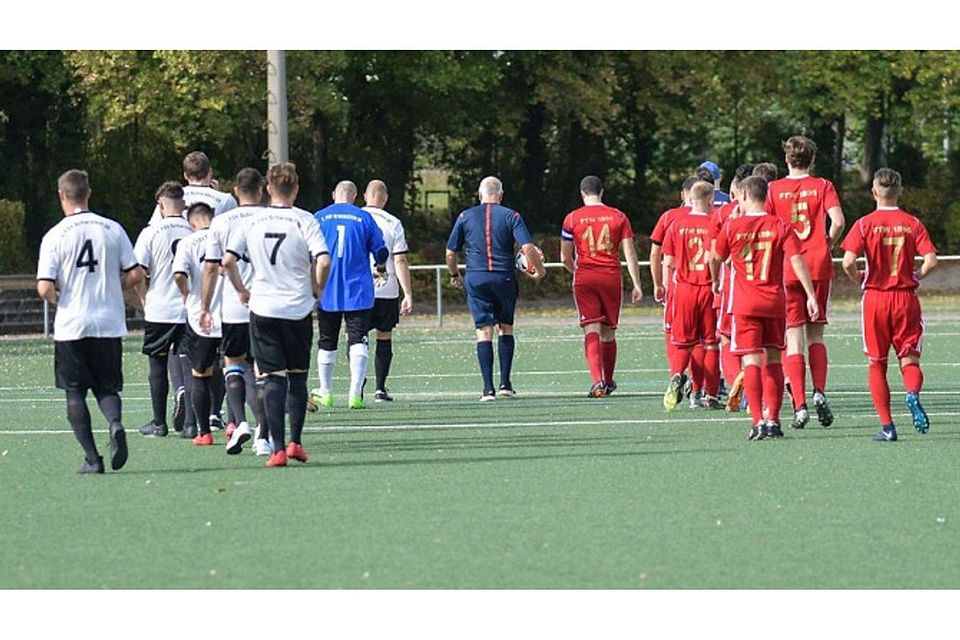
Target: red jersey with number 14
[757, 245]
[891, 239]
[688, 241]
[802, 202]
[596, 232]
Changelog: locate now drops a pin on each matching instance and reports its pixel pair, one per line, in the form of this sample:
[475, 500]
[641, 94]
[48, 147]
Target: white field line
[528, 339]
[742, 418]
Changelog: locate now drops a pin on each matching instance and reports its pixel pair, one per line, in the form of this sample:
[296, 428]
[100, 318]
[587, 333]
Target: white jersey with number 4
[86, 255]
[190, 261]
[155, 249]
[281, 243]
[396, 242]
[219, 201]
[234, 311]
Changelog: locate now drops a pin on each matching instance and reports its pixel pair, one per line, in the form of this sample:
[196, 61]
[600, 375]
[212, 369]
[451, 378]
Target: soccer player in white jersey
[235, 345]
[85, 262]
[163, 311]
[198, 175]
[387, 305]
[201, 346]
[290, 263]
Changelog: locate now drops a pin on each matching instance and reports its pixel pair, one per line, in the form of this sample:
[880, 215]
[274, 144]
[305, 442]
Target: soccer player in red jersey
[758, 245]
[805, 202]
[890, 239]
[597, 233]
[686, 249]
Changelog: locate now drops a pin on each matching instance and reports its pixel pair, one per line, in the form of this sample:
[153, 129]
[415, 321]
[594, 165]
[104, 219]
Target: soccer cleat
[736, 393]
[696, 400]
[506, 390]
[239, 436]
[179, 409]
[920, 420]
[231, 427]
[886, 434]
[674, 392]
[687, 386]
[154, 430]
[722, 390]
[772, 429]
[598, 390]
[800, 418]
[316, 400]
[824, 414]
[758, 431]
[278, 459]
[381, 395]
[609, 387]
[204, 440]
[216, 422]
[118, 446]
[189, 431]
[261, 447]
[356, 403]
[295, 451]
[710, 402]
[488, 395]
[92, 467]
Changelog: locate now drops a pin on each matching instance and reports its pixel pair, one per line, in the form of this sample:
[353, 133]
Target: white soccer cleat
[240, 435]
[262, 447]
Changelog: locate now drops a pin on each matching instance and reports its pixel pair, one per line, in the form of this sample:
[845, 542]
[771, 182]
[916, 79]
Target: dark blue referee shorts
[491, 296]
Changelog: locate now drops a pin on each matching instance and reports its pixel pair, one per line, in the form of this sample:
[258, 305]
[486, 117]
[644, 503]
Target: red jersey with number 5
[757, 245]
[891, 239]
[596, 232]
[802, 202]
[688, 241]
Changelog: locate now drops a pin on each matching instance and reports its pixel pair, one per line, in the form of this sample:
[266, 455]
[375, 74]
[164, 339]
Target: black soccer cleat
[609, 387]
[154, 430]
[92, 467]
[189, 431]
[757, 431]
[772, 429]
[381, 395]
[179, 409]
[216, 422]
[886, 434]
[598, 390]
[118, 446]
[506, 390]
[824, 414]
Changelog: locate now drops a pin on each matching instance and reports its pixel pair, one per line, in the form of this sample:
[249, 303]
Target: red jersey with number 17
[688, 241]
[891, 239]
[802, 202]
[596, 232]
[757, 245]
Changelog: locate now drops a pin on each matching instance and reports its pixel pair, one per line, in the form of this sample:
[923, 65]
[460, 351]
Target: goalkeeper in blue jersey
[352, 236]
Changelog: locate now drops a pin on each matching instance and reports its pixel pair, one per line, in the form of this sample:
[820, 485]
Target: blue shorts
[491, 296]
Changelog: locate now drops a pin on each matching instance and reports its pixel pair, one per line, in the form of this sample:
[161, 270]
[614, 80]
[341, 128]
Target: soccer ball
[521, 260]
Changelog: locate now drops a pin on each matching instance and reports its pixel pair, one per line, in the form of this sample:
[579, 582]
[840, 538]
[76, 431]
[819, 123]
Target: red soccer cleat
[203, 440]
[231, 427]
[278, 459]
[295, 451]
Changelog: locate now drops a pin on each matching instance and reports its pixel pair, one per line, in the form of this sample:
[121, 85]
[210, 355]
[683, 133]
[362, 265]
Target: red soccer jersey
[757, 245]
[596, 232]
[667, 217]
[688, 241]
[891, 239]
[723, 213]
[802, 202]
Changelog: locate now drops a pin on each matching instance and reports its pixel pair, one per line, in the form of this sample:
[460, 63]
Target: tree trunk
[872, 145]
[534, 159]
[840, 129]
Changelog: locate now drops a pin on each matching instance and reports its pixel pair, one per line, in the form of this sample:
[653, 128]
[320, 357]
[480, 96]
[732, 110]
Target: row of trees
[538, 119]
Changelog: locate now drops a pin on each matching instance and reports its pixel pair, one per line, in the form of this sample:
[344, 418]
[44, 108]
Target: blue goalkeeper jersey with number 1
[352, 236]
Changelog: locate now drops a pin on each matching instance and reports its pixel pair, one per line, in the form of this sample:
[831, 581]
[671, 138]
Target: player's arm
[800, 268]
[47, 290]
[456, 280]
[180, 279]
[837, 224]
[849, 265]
[208, 282]
[566, 255]
[929, 264]
[534, 259]
[633, 268]
[402, 266]
[321, 271]
[656, 272]
[140, 289]
[132, 277]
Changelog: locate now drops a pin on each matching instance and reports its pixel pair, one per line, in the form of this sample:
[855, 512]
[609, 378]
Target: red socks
[817, 353]
[729, 363]
[696, 367]
[711, 372]
[609, 352]
[592, 351]
[912, 377]
[753, 385]
[680, 360]
[880, 391]
[773, 390]
[795, 368]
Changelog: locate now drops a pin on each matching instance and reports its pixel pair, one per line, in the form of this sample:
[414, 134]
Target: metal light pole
[277, 147]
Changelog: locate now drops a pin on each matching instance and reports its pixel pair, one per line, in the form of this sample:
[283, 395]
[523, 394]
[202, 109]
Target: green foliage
[13, 246]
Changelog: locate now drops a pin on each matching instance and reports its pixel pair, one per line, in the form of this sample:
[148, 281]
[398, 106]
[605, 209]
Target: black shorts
[89, 363]
[161, 338]
[328, 327]
[236, 340]
[280, 344]
[201, 351]
[386, 314]
[491, 296]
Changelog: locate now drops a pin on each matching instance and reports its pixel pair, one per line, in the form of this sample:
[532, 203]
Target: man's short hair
[688, 182]
[284, 179]
[800, 151]
[199, 210]
[170, 190]
[490, 186]
[702, 173]
[75, 185]
[249, 181]
[766, 170]
[196, 165]
[591, 185]
[888, 183]
[377, 188]
[347, 189]
[701, 191]
[754, 188]
[743, 171]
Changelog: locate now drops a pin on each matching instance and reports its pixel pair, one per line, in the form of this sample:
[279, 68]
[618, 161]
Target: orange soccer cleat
[278, 459]
[295, 451]
[203, 440]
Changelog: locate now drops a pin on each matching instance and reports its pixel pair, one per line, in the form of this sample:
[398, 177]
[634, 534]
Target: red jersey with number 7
[596, 232]
[891, 239]
[757, 245]
[802, 202]
[688, 240]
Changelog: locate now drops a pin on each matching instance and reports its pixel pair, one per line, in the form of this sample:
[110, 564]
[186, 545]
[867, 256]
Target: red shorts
[725, 324]
[753, 334]
[797, 303]
[598, 296]
[694, 319]
[891, 318]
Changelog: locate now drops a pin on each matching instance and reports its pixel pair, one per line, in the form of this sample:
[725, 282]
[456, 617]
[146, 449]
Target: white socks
[359, 355]
[325, 362]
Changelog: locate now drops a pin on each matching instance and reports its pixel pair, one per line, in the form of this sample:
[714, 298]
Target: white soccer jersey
[219, 201]
[396, 241]
[234, 311]
[190, 260]
[86, 255]
[155, 249]
[281, 243]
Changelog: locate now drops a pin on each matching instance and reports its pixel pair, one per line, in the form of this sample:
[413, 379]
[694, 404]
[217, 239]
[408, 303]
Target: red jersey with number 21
[596, 232]
[757, 244]
[891, 239]
[688, 241]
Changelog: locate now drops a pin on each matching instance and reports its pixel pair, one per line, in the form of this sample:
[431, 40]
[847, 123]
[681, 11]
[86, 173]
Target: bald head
[345, 192]
[376, 194]
[491, 189]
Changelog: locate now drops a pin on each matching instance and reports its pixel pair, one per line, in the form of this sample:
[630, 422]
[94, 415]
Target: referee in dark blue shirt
[487, 233]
